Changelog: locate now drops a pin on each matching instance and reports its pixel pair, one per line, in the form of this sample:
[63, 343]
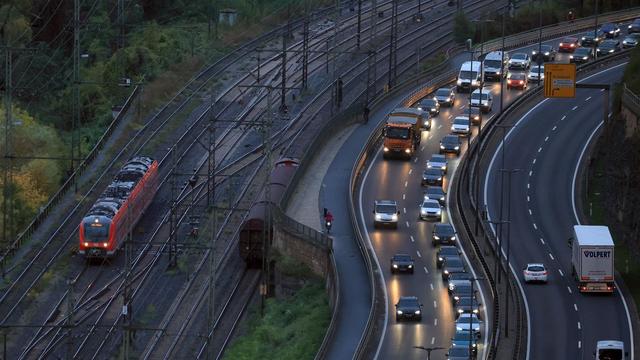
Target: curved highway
[547, 144]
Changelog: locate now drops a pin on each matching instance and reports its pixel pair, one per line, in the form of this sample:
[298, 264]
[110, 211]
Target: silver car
[468, 322]
[631, 40]
[437, 161]
[461, 126]
[520, 61]
[430, 209]
[533, 73]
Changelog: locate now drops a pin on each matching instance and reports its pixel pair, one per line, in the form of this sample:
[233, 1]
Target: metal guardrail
[312, 236]
[630, 100]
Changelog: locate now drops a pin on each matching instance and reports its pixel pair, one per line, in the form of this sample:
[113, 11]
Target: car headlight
[446, 272]
[597, 39]
[474, 82]
[459, 328]
[459, 82]
[570, 56]
[433, 109]
[585, 58]
[457, 148]
[460, 311]
[441, 146]
[439, 178]
[452, 128]
[451, 287]
[378, 217]
[441, 197]
[533, 52]
[419, 108]
[456, 298]
[385, 149]
[429, 166]
[394, 217]
[408, 151]
[546, 54]
[584, 38]
[410, 266]
[612, 50]
[440, 258]
[417, 312]
[475, 311]
[629, 27]
[395, 266]
[399, 312]
[453, 238]
[436, 237]
[423, 211]
[611, 32]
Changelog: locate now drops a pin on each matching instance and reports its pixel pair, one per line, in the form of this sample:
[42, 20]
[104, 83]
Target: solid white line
[380, 273]
[412, 239]
[575, 306]
[587, 99]
[575, 107]
[551, 256]
[575, 213]
[570, 292]
[561, 273]
[426, 272]
[418, 252]
[535, 226]
[431, 285]
[579, 326]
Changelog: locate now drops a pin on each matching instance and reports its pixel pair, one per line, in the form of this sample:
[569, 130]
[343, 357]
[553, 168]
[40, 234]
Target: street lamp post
[429, 350]
[508, 222]
[595, 33]
[498, 248]
[504, 128]
[540, 56]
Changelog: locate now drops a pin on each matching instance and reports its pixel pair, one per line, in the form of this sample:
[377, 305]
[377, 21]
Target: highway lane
[546, 145]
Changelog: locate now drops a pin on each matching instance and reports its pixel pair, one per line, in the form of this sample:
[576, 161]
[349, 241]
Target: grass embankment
[292, 327]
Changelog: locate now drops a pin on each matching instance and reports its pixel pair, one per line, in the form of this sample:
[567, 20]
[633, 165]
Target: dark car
[445, 96]
[474, 115]
[610, 30]
[608, 47]
[547, 53]
[568, 44]
[467, 305]
[445, 252]
[402, 263]
[432, 177]
[450, 143]
[436, 193]
[462, 339]
[460, 276]
[408, 307]
[631, 40]
[581, 55]
[443, 234]
[517, 80]
[462, 291]
[459, 353]
[634, 27]
[591, 38]
[452, 265]
[430, 105]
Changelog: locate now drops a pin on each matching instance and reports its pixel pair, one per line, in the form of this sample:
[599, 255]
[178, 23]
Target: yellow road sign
[559, 80]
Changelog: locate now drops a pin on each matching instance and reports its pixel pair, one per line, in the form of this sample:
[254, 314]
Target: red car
[568, 44]
[517, 80]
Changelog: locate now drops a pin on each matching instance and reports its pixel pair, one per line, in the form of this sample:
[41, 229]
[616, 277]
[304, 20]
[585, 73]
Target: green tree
[462, 28]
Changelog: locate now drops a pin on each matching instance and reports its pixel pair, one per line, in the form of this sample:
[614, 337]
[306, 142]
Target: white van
[492, 65]
[469, 77]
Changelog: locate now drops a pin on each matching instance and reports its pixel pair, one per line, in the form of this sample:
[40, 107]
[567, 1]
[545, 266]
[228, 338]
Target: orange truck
[401, 136]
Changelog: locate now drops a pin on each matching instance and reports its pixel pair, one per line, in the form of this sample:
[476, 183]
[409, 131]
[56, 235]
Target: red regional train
[118, 209]
[252, 230]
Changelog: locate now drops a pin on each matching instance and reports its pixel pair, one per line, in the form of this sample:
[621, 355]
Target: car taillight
[544, 273]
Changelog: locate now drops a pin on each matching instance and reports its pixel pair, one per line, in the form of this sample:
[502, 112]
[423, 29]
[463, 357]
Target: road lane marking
[601, 90]
[546, 139]
[575, 107]
[551, 256]
[534, 160]
[579, 326]
[587, 99]
[422, 148]
[426, 272]
[418, 252]
[415, 160]
[575, 306]
[435, 322]
[412, 239]
[440, 126]
[435, 304]
[430, 137]
[542, 241]
[540, 149]
[570, 292]
[530, 172]
[528, 199]
[530, 213]
[410, 171]
[563, 117]
[403, 195]
[431, 285]
[406, 222]
[528, 186]
[406, 183]
[554, 127]
[433, 340]
[405, 210]
[535, 226]
[561, 273]
[579, 344]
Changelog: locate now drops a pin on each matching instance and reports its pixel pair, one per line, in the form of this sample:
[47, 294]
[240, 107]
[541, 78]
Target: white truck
[592, 258]
[470, 76]
[610, 350]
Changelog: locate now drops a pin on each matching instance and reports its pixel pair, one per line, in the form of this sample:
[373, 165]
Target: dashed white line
[551, 256]
[575, 107]
[407, 223]
[540, 149]
[418, 252]
[431, 286]
[422, 148]
[546, 139]
[579, 344]
[412, 239]
[534, 160]
[530, 172]
[575, 306]
[440, 126]
[528, 198]
[450, 117]
[579, 326]
[563, 117]
[528, 185]
[542, 241]
[430, 137]
[403, 195]
[530, 213]
[570, 292]
[410, 171]
[433, 340]
[435, 322]
[406, 183]
[535, 226]
[561, 273]
[405, 210]
[426, 272]
[415, 160]
[554, 127]
[435, 304]
[601, 90]
[587, 99]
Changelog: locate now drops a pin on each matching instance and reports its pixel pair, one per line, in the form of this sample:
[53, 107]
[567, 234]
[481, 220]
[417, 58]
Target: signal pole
[214, 227]
[8, 162]
[76, 87]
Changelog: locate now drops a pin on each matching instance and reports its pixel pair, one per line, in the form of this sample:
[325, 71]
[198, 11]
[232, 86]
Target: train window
[96, 232]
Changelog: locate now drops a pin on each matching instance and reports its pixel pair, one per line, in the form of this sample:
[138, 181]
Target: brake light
[544, 273]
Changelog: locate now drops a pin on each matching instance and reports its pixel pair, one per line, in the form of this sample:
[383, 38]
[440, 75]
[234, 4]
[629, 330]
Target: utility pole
[76, 86]
[283, 105]
[359, 19]
[127, 311]
[305, 49]
[266, 230]
[213, 231]
[69, 323]
[393, 42]
[173, 241]
[8, 162]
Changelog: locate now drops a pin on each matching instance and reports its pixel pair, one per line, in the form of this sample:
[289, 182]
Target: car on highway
[462, 339]
[533, 73]
[610, 30]
[568, 44]
[520, 61]
[634, 27]
[467, 322]
[467, 305]
[517, 80]
[461, 126]
[443, 234]
[459, 353]
[494, 64]
[462, 291]
[436, 193]
[446, 96]
[402, 263]
[547, 53]
[385, 213]
[432, 177]
[474, 114]
[608, 47]
[482, 98]
[459, 276]
[590, 38]
[437, 161]
[535, 272]
[453, 283]
[631, 40]
[445, 252]
[450, 144]
[452, 265]
[408, 308]
[430, 209]
[431, 105]
[581, 55]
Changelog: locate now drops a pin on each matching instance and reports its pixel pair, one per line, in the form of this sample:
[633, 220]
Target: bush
[462, 28]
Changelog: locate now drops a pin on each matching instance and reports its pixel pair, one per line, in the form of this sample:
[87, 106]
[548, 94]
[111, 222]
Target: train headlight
[105, 244]
[408, 151]
[86, 244]
[386, 149]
